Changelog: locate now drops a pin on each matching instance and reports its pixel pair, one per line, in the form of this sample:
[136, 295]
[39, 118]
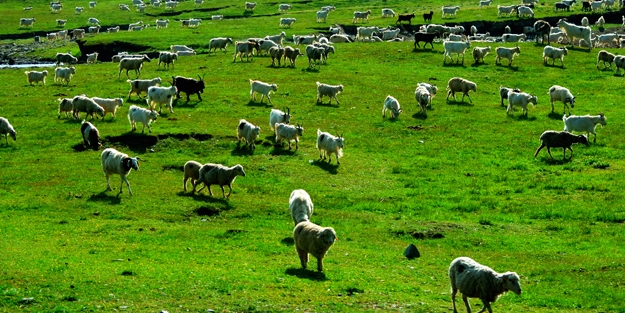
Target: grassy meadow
[460, 182]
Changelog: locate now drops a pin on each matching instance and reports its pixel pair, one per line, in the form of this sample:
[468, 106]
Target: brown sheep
[458, 84]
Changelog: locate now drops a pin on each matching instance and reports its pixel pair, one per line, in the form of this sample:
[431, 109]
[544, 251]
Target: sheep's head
[571, 101]
[45, 73]
[238, 169]
[533, 99]
[340, 139]
[131, 163]
[274, 87]
[300, 130]
[153, 114]
[328, 236]
[511, 282]
[286, 117]
[72, 70]
[583, 140]
[13, 134]
[100, 111]
[256, 130]
[602, 119]
[394, 112]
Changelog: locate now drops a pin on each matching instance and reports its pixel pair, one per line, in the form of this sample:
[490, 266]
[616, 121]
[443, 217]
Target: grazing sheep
[300, 206]
[132, 64]
[423, 97]
[144, 116]
[313, 239]
[115, 162]
[167, 58]
[506, 53]
[248, 132]
[66, 105]
[160, 96]
[328, 144]
[479, 53]
[250, 6]
[218, 43]
[432, 89]
[458, 84]
[521, 99]
[263, 88]
[138, 86]
[217, 174]
[192, 171]
[584, 123]
[391, 104]
[328, 90]
[109, 105]
[90, 135]
[288, 132]
[388, 13]
[287, 21]
[64, 74]
[276, 53]
[361, 15]
[563, 139]
[87, 105]
[284, 7]
[36, 77]
[7, 129]
[559, 93]
[503, 93]
[600, 22]
[554, 53]
[277, 116]
[475, 280]
[189, 86]
[542, 28]
[244, 48]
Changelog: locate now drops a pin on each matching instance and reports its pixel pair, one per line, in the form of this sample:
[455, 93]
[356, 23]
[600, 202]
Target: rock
[27, 300]
[411, 252]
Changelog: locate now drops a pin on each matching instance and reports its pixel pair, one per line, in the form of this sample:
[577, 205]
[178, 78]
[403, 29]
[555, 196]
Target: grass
[464, 183]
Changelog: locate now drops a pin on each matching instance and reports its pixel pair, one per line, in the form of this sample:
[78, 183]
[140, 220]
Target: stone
[411, 252]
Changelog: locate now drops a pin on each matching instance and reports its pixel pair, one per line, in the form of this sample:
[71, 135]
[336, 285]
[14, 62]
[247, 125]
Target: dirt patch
[139, 142]
[435, 231]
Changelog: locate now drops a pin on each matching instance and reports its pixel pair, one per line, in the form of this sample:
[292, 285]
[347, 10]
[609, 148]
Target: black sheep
[556, 139]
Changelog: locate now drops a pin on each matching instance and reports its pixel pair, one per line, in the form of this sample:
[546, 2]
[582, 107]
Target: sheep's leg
[108, 178]
[125, 179]
[127, 74]
[484, 307]
[337, 100]
[303, 256]
[223, 192]
[296, 144]
[229, 192]
[588, 136]
[466, 303]
[549, 151]
[268, 98]
[453, 298]
[320, 264]
[337, 159]
[184, 182]
[468, 95]
[570, 148]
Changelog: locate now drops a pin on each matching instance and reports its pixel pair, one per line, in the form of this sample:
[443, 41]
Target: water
[27, 65]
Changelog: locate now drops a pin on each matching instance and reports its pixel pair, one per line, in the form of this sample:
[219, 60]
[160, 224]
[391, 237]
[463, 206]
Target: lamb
[277, 116]
[328, 144]
[300, 206]
[479, 53]
[144, 116]
[388, 13]
[192, 171]
[322, 15]
[554, 53]
[585, 21]
[313, 239]
[7, 130]
[248, 132]
[391, 104]
[504, 91]
[132, 64]
[458, 84]
[87, 105]
[160, 96]
[287, 21]
[65, 58]
[189, 86]
[458, 47]
[328, 90]
[423, 97]
[220, 43]
[390, 34]
[450, 10]
[217, 174]
[263, 88]
[90, 136]
[276, 53]
[138, 86]
[584, 123]
[109, 105]
[244, 48]
[291, 54]
[167, 58]
[475, 280]
[432, 89]
[520, 99]
[284, 7]
[250, 6]
[361, 15]
[36, 77]
[506, 53]
[92, 58]
[288, 132]
[563, 139]
[115, 162]
[562, 94]
[600, 22]
[64, 74]
[573, 31]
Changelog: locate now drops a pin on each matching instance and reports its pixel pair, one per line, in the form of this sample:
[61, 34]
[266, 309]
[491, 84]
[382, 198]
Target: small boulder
[411, 252]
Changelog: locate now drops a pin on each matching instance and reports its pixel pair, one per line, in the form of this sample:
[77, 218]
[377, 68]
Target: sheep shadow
[326, 166]
[105, 197]
[522, 117]
[136, 142]
[252, 103]
[553, 65]
[479, 64]
[329, 104]
[419, 116]
[310, 70]
[513, 68]
[217, 200]
[425, 50]
[459, 103]
[279, 150]
[555, 160]
[241, 149]
[452, 64]
[288, 241]
[555, 116]
[307, 274]
[178, 103]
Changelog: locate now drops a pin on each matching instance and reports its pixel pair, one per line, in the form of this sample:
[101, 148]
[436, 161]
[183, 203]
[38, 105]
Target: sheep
[276, 38]
[313, 239]
[291, 54]
[425, 38]
[328, 90]
[132, 64]
[524, 11]
[520, 99]
[554, 53]
[390, 34]
[432, 89]
[160, 96]
[300, 206]
[479, 53]
[458, 47]
[65, 58]
[328, 8]
[619, 61]
[194, 22]
[51, 36]
[27, 22]
[506, 53]
[559, 93]
[79, 10]
[503, 9]
[36, 77]
[365, 32]
[322, 15]
[167, 58]
[306, 40]
[161, 23]
[608, 4]
[458, 84]
[244, 48]
[94, 29]
[596, 5]
[475, 280]
[217, 174]
[328, 144]
[87, 105]
[220, 43]
[584, 123]
[144, 116]
[335, 29]
[513, 37]
[60, 23]
[277, 116]
[473, 30]
[423, 97]
[561, 6]
[109, 105]
[605, 56]
[141, 8]
[388, 12]
[504, 91]
[171, 5]
[573, 31]
[78, 34]
[133, 25]
[66, 105]
[90, 136]
[449, 10]
[138, 86]
[288, 132]
[458, 29]
[606, 39]
[284, 7]
[7, 130]
[266, 44]
[93, 21]
[287, 21]
[64, 74]
[92, 58]
[186, 53]
[585, 21]
[248, 132]
[391, 104]
[92, 4]
[336, 38]
[563, 139]
[250, 6]
[276, 53]
[115, 162]
[361, 15]
[192, 171]
[189, 86]
[485, 3]
[124, 7]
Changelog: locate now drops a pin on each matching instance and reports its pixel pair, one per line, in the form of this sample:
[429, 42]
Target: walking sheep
[109, 105]
[328, 144]
[313, 239]
[138, 86]
[458, 84]
[132, 64]
[329, 91]
[300, 206]
[503, 92]
[117, 163]
[277, 116]
[192, 171]
[585, 123]
[248, 132]
[7, 129]
[36, 77]
[263, 88]
[160, 96]
[556, 139]
[87, 105]
[475, 280]
[90, 135]
[288, 132]
[217, 174]
[64, 74]
[144, 116]
[559, 93]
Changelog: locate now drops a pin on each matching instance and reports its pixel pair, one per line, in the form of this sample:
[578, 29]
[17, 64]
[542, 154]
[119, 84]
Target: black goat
[427, 17]
[425, 37]
[556, 139]
[405, 17]
[188, 86]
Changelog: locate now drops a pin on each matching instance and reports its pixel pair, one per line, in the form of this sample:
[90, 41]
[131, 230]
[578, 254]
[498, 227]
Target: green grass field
[461, 182]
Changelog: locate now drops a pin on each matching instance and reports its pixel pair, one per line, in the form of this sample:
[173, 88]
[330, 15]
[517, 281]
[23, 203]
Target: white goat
[132, 64]
[7, 130]
[288, 132]
[138, 86]
[248, 132]
[322, 15]
[92, 58]
[64, 74]
[388, 12]
[167, 58]
[329, 91]
[458, 47]
[573, 31]
[277, 116]
[27, 22]
[391, 104]
[361, 15]
[328, 144]
[263, 88]
[250, 6]
[503, 9]
[109, 105]
[506, 53]
[36, 77]
[449, 10]
[141, 115]
[479, 53]
[520, 99]
[160, 96]
[586, 123]
[217, 174]
[284, 7]
[554, 53]
[218, 43]
[117, 163]
[559, 93]
[287, 21]
[300, 206]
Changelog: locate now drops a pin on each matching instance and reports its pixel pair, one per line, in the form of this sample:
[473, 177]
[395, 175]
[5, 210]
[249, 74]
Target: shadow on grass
[454, 64]
[556, 160]
[419, 116]
[252, 103]
[459, 103]
[279, 150]
[522, 117]
[553, 65]
[304, 273]
[104, 196]
[326, 166]
[555, 116]
[216, 201]
[310, 70]
[288, 241]
[180, 103]
[329, 104]
[425, 50]
[243, 149]
[479, 64]
[510, 67]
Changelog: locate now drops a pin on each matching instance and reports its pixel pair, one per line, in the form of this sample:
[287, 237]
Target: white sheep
[390, 34]
[313, 239]
[504, 91]
[605, 56]
[513, 37]
[485, 3]
[337, 38]
[361, 15]
[132, 64]
[36, 77]
[248, 132]
[138, 86]
[458, 47]
[250, 6]
[391, 104]
[521, 99]
[479, 53]
[64, 74]
[94, 29]
[329, 91]
[277, 116]
[450, 10]
[556, 139]
[585, 21]
[423, 97]
[523, 11]
[220, 43]
[287, 21]
[559, 93]
[144, 116]
[27, 22]
[288, 132]
[87, 105]
[111, 30]
[300, 206]
[160, 96]
[458, 84]
[161, 23]
[388, 13]
[66, 105]
[475, 280]
[263, 88]
[109, 105]
[600, 22]
[186, 53]
[217, 174]
[7, 130]
[167, 58]
[92, 58]
[61, 23]
[279, 38]
[90, 135]
[322, 16]
[191, 171]
[586, 123]
[554, 53]
[505, 9]
[117, 163]
[506, 53]
[328, 144]
[93, 21]
[284, 7]
[244, 48]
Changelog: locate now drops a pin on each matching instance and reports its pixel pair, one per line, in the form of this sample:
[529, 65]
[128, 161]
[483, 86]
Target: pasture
[461, 182]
